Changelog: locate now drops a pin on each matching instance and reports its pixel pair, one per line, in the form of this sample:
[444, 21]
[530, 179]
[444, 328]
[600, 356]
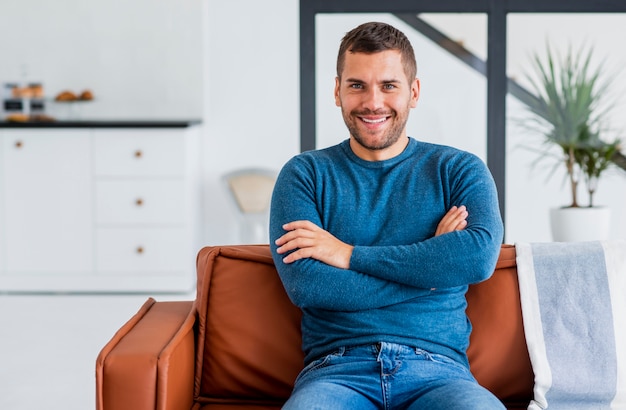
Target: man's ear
[415, 92]
[337, 99]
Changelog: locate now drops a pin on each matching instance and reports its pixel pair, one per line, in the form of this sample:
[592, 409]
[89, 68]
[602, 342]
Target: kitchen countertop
[100, 123]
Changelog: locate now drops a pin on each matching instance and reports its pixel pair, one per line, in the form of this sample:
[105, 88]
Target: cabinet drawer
[141, 251]
[139, 153]
[160, 202]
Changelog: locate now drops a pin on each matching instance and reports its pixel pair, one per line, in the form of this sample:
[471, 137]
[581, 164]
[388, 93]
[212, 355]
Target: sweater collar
[408, 151]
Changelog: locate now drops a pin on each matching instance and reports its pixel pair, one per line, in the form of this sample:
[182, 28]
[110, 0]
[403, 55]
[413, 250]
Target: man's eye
[389, 86]
[356, 86]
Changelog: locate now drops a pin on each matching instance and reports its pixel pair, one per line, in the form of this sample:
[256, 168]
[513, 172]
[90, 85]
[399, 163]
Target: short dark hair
[374, 37]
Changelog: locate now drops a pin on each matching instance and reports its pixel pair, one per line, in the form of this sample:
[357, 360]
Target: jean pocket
[315, 365]
[441, 359]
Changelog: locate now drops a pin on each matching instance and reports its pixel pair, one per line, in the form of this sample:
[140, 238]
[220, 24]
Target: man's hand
[454, 220]
[308, 240]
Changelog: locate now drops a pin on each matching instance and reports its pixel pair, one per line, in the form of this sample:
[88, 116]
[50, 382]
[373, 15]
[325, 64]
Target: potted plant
[570, 110]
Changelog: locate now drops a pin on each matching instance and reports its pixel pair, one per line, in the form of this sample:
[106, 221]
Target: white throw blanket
[574, 309]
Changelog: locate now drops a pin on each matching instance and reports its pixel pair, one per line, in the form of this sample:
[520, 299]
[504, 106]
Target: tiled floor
[49, 345]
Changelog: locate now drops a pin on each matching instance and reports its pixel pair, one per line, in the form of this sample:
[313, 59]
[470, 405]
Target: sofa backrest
[497, 352]
[249, 342]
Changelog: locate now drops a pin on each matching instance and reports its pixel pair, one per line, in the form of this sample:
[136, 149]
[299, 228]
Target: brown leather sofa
[237, 346]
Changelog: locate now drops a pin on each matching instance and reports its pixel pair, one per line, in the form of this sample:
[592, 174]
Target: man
[377, 239]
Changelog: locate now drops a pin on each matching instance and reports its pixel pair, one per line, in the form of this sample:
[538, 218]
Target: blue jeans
[388, 376]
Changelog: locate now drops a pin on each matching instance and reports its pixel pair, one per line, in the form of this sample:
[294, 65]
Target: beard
[368, 138]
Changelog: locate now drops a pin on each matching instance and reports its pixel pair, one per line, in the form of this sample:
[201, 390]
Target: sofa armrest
[149, 362]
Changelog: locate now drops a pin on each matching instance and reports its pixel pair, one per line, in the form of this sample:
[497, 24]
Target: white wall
[529, 191]
[252, 116]
[140, 58]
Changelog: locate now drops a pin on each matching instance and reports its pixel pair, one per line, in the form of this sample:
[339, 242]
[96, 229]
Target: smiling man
[377, 239]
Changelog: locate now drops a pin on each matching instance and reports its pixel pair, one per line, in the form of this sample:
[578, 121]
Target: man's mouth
[378, 120]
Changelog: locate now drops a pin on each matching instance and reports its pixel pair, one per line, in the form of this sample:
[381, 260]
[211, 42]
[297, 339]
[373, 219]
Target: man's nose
[373, 99]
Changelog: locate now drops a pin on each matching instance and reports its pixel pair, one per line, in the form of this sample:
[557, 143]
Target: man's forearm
[457, 259]
[313, 284]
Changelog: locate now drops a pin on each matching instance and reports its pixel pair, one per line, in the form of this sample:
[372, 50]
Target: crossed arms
[308, 240]
[320, 270]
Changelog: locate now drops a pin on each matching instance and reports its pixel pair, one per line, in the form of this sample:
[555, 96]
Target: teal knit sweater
[404, 285]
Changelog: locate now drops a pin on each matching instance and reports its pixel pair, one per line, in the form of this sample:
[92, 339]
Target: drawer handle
[19, 144]
[138, 154]
[139, 250]
[139, 202]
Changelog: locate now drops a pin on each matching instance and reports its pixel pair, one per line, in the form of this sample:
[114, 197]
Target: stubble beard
[390, 136]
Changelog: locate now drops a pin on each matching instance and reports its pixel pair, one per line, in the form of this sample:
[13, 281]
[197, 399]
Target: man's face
[375, 99]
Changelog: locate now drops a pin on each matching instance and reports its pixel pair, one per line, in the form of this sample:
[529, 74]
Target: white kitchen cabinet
[144, 202]
[143, 211]
[98, 209]
[141, 251]
[47, 202]
[149, 153]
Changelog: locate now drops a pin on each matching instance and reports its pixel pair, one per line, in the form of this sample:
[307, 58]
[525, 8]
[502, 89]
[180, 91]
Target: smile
[374, 121]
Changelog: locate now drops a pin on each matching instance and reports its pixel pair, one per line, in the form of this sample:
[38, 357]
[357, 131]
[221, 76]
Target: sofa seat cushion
[249, 349]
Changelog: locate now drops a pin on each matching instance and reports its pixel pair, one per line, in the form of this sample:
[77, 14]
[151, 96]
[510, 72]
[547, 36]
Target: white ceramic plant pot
[580, 224]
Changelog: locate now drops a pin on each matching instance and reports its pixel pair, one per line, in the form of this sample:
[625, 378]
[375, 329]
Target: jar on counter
[23, 102]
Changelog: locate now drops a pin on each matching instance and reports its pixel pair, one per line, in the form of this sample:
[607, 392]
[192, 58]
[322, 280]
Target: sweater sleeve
[454, 259]
[310, 283]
